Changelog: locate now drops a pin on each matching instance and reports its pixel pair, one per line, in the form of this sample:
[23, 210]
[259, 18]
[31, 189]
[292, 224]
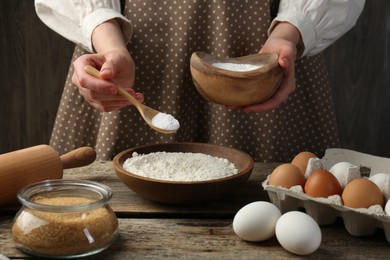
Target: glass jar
[64, 219]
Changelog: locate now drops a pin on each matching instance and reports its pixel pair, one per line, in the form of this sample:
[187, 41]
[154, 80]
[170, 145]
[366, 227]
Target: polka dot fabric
[166, 33]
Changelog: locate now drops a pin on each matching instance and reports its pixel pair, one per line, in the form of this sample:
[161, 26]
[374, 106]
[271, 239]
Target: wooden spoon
[146, 112]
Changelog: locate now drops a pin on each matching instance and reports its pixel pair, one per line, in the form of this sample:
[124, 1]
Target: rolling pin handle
[79, 157]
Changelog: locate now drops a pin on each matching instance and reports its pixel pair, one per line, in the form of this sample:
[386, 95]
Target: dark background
[35, 60]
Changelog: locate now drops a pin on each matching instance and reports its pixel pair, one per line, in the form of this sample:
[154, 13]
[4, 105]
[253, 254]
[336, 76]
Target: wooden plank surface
[212, 239]
[155, 231]
[127, 203]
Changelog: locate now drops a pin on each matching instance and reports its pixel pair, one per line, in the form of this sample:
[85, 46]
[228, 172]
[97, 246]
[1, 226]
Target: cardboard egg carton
[358, 222]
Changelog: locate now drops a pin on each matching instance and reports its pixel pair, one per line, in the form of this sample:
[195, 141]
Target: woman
[149, 47]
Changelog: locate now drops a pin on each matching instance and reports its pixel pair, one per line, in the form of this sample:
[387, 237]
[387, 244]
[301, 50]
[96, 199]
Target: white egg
[345, 172]
[298, 233]
[256, 221]
[382, 180]
[387, 207]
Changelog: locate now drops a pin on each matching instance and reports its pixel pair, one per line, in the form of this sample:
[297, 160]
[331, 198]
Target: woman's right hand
[114, 66]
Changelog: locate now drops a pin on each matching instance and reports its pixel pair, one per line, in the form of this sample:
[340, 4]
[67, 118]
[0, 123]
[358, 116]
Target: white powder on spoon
[165, 121]
[235, 66]
[179, 166]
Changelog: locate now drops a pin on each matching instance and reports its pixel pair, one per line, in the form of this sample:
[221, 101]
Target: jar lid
[99, 194]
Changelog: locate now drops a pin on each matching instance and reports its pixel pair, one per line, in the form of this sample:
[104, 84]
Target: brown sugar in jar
[64, 219]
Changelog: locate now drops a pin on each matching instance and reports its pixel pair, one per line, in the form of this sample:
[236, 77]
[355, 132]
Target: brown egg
[322, 183]
[286, 175]
[301, 160]
[362, 193]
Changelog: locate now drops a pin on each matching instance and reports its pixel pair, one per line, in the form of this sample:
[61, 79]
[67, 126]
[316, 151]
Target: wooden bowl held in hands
[238, 81]
[185, 192]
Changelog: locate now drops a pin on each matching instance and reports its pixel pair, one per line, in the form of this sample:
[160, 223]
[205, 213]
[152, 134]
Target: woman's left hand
[283, 41]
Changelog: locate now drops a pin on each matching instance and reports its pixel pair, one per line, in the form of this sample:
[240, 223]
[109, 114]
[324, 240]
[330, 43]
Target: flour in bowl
[236, 66]
[179, 166]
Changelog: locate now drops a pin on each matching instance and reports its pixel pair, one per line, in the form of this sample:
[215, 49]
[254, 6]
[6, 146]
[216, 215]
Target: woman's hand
[283, 40]
[115, 66]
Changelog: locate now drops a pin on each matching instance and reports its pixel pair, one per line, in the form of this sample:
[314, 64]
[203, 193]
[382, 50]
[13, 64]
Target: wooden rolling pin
[34, 164]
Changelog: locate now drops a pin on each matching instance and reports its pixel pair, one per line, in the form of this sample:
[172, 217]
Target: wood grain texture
[359, 68]
[35, 61]
[211, 239]
[33, 66]
[156, 231]
[127, 203]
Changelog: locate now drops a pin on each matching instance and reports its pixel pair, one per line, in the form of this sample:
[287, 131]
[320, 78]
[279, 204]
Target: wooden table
[156, 231]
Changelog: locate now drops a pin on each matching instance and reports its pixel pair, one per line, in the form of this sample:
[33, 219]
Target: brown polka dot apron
[166, 33]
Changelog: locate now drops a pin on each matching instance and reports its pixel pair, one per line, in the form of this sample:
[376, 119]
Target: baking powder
[179, 166]
[235, 66]
[165, 121]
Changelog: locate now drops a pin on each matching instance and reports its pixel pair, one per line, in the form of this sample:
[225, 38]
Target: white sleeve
[76, 19]
[320, 22]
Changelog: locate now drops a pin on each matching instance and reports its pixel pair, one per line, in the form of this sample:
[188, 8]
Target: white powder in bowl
[235, 66]
[165, 121]
[179, 166]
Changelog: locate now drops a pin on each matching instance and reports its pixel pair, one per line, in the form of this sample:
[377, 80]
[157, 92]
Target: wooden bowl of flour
[193, 186]
[239, 81]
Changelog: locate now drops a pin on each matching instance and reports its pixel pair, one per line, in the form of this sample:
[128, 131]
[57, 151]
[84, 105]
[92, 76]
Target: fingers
[140, 97]
[83, 80]
[101, 94]
[107, 71]
[287, 55]
[107, 102]
[103, 102]
[108, 106]
[115, 67]
[286, 87]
